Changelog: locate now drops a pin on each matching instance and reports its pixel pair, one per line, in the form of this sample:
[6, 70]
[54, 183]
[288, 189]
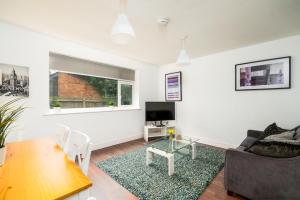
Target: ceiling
[211, 25]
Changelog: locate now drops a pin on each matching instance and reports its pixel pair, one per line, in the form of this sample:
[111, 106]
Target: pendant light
[183, 58]
[122, 31]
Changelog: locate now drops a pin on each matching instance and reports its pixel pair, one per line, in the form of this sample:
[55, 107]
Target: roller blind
[69, 64]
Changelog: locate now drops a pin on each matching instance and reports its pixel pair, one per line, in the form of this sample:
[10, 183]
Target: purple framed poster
[173, 87]
[264, 74]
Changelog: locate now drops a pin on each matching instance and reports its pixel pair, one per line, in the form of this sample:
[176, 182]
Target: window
[79, 88]
[126, 89]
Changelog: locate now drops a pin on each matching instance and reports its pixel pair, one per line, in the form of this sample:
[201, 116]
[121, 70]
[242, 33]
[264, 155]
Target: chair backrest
[62, 134]
[78, 148]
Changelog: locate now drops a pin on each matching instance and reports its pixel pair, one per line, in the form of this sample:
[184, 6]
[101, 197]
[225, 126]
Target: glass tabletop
[171, 145]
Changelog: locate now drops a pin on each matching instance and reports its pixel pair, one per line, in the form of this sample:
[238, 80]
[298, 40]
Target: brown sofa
[259, 177]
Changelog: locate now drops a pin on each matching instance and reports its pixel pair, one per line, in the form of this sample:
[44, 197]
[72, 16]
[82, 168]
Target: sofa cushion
[286, 137]
[280, 146]
[272, 129]
[297, 133]
[275, 150]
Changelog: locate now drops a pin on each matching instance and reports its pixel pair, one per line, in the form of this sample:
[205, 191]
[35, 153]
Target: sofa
[260, 177]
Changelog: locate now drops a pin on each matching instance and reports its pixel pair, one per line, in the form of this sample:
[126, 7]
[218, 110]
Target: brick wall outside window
[72, 87]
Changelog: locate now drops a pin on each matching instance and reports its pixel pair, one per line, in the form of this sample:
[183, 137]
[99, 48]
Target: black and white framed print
[264, 74]
[14, 80]
[173, 86]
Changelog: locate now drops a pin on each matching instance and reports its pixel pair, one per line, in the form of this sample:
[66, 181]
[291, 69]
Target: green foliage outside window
[126, 94]
[106, 87]
[54, 103]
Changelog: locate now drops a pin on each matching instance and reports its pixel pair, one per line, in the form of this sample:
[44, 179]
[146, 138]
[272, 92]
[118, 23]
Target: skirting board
[135, 137]
[216, 144]
[212, 142]
[115, 142]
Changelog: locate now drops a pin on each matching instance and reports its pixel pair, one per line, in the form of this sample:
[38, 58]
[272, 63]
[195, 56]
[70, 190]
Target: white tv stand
[151, 131]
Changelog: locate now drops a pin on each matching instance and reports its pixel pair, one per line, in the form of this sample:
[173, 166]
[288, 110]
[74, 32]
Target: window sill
[89, 110]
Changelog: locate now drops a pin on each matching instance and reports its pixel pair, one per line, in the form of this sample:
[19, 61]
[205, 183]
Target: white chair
[78, 148]
[62, 135]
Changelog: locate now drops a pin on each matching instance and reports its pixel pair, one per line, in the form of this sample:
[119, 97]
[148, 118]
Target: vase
[2, 155]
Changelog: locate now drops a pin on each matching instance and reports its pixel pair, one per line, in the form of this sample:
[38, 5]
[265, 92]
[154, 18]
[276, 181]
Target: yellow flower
[171, 131]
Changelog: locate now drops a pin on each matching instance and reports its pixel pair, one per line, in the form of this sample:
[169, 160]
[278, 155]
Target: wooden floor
[105, 188]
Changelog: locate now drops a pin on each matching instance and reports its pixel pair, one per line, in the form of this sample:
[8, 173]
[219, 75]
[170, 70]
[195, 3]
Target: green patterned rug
[153, 183]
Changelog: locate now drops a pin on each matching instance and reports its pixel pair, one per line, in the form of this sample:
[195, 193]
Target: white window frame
[120, 107]
[123, 82]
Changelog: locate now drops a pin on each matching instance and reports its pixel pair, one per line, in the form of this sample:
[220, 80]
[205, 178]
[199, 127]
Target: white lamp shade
[183, 58]
[122, 31]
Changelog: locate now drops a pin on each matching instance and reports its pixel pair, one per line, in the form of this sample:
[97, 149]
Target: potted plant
[111, 104]
[55, 104]
[9, 113]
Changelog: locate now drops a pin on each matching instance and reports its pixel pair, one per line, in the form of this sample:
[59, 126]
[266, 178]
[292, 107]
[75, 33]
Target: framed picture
[14, 80]
[173, 87]
[264, 74]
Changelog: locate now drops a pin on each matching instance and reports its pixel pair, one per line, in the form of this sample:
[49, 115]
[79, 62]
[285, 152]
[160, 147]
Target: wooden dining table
[40, 170]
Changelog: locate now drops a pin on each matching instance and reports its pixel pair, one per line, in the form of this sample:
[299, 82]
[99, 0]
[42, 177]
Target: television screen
[160, 111]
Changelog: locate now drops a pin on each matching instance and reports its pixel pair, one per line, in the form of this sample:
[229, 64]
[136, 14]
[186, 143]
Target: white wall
[19, 46]
[213, 111]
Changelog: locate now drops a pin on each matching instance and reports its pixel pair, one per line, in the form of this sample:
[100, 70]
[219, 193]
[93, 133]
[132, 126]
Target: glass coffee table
[166, 147]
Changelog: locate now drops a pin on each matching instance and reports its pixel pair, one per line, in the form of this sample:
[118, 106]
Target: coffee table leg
[170, 164]
[194, 150]
[149, 157]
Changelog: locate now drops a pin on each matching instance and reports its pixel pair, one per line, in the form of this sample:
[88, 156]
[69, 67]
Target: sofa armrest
[254, 133]
[261, 177]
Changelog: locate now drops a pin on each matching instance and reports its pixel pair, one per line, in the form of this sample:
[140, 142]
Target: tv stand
[160, 124]
[152, 131]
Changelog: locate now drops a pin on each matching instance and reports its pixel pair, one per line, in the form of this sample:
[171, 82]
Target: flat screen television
[160, 111]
